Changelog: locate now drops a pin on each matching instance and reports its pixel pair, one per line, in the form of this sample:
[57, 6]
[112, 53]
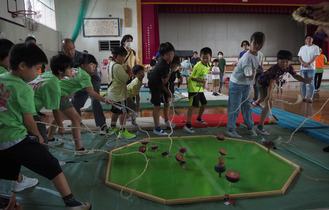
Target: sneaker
[83, 206]
[103, 130]
[310, 101]
[251, 133]
[160, 132]
[254, 103]
[54, 141]
[168, 123]
[201, 122]
[134, 124]
[25, 183]
[83, 152]
[126, 135]
[189, 130]
[304, 99]
[262, 132]
[114, 130]
[233, 134]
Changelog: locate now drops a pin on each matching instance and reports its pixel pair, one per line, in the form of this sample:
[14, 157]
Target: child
[186, 69]
[196, 84]
[239, 87]
[5, 46]
[171, 85]
[133, 91]
[265, 84]
[117, 91]
[78, 80]
[17, 148]
[150, 69]
[319, 65]
[195, 59]
[215, 72]
[158, 79]
[221, 66]
[47, 91]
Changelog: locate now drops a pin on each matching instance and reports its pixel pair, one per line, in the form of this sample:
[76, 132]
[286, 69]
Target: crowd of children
[24, 93]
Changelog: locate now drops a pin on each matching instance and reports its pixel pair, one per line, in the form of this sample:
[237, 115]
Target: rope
[298, 15]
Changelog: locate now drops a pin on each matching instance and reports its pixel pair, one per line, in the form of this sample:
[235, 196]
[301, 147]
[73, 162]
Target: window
[45, 11]
[108, 45]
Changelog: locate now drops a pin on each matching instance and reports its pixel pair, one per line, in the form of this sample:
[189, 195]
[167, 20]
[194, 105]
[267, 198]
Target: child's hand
[61, 131]
[108, 101]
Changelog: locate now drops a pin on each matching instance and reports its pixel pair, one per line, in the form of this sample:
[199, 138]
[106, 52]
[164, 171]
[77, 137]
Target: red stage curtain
[226, 9]
[150, 30]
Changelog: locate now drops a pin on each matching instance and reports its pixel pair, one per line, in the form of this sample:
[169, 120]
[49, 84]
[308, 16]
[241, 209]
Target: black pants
[317, 80]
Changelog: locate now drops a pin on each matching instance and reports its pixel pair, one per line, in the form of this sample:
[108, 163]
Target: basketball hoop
[22, 13]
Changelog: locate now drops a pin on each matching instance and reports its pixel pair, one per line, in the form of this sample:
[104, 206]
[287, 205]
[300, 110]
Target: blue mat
[292, 121]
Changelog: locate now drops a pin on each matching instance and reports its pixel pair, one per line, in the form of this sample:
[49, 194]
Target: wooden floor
[289, 93]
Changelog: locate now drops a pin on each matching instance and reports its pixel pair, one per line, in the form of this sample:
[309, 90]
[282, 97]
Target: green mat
[179, 102]
[324, 87]
[86, 177]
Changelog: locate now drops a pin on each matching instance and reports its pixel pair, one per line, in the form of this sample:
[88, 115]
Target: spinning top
[142, 149]
[165, 154]
[232, 176]
[145, 142]
[179, 157]
[182, 163]
[220, 169]
[183, 150]
[222, 152]
[268, 144]
[220, 137]
[154, 147]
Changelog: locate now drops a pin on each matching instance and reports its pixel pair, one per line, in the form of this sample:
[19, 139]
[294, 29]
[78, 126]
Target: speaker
[127, 17]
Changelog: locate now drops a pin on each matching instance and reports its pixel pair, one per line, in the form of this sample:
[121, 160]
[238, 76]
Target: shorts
[131, 104]
[215, 82]
[158, 96]
[42, 129]
[31, 154]
[121, 110]
[197, 99]
[65, 103]
[262, 92]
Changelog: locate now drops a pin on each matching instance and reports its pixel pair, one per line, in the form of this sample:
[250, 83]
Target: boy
[195, 59]
[150, 69]
[117, 91]
[215, 72]
[79, 79]
[158, 78]
[196, 84]
[5, 46]
[265, 84]
[239, 87]
[319, 65]
[17, 148]
[47, 91]
[133, 91]
[186, 69]
[221, 66]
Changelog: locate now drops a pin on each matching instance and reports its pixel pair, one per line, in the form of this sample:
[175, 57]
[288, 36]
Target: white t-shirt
[215, 69]
[307, 53]
[248, 63]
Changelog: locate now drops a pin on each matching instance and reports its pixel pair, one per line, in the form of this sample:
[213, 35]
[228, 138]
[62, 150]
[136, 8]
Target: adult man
[307, 56]
[80, 97]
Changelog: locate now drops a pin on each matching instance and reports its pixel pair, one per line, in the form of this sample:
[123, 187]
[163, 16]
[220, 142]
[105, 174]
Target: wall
[67, 12]
[225, 32]
[47, 39]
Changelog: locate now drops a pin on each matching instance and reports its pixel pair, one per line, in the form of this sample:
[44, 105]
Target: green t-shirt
[118, 78]
[3, 70]
[134, 87]
[199, 71]
[78, 80]
[47, 92]
[16, 98]
[221, 65]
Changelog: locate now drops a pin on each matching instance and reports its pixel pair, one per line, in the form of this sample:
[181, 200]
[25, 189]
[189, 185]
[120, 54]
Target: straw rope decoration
[300, 16]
